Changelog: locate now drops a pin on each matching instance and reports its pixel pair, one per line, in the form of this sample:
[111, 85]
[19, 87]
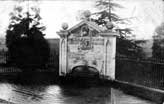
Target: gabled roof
[89, 23]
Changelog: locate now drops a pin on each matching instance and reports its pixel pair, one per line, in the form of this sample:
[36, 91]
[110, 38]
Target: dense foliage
[158, 43]
[25, 40]
[106, 13]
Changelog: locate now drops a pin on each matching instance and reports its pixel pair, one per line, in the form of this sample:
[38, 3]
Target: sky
[148, 14]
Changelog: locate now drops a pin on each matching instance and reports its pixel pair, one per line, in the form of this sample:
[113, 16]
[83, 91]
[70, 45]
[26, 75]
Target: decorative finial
[65, 26]
[109, 25]
[87, 14]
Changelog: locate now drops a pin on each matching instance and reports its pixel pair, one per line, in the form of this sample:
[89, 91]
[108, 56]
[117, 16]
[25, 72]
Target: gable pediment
[91, 25]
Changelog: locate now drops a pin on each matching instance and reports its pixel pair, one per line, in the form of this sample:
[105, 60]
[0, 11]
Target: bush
[26, 45]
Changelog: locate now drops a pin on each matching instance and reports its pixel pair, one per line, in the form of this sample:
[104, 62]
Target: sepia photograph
[81, 51]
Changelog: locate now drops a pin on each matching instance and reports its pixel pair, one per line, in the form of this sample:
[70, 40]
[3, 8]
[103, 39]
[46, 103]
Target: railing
[147, 72]
[51, 66]
[3, 57]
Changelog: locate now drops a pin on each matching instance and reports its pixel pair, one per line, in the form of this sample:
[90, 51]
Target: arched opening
[84, 71]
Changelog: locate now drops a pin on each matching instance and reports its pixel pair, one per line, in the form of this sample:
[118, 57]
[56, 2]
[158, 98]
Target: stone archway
[84, 71]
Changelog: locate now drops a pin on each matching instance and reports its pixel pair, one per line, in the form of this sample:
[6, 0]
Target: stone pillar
[109, 54]
[63, 50]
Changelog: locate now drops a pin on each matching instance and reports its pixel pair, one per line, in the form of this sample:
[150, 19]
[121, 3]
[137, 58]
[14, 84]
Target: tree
[106, 14]
[158, 42]
[25, 40]
[106, 11]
